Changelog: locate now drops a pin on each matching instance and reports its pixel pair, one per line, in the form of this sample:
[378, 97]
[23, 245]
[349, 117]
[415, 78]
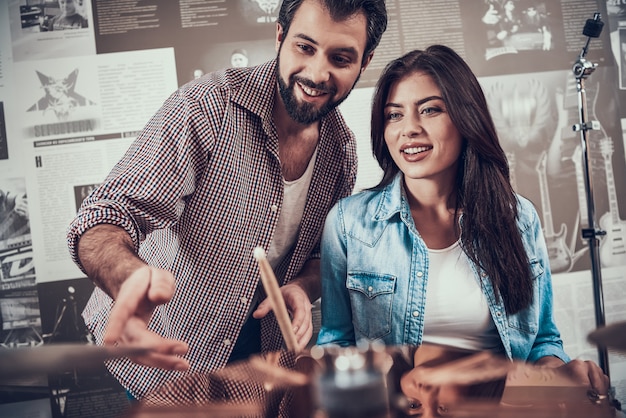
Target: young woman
[442, 250]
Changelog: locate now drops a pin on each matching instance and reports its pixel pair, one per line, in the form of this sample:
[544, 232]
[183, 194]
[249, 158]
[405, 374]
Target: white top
[456, 311]
[290, 215]
[289, 219]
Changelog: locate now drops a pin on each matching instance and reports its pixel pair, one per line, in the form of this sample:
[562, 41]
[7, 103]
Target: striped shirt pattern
[197, 191]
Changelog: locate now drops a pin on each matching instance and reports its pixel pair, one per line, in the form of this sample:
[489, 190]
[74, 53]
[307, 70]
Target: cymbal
[265, 368]
[259, 381]
[581, 408]
[58, 358]
[439, 365]
[215, 410]
[610, 336]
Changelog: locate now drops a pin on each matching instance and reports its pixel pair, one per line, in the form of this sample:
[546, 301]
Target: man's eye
[342, 61]
[305, 47]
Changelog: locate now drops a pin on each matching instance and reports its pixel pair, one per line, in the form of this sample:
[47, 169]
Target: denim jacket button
[420, 274]
[416, 313]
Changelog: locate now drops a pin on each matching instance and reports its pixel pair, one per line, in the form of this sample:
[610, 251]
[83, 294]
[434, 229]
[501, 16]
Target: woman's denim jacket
[375, 269]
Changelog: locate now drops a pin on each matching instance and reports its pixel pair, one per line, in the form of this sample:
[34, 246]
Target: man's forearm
[107, 254]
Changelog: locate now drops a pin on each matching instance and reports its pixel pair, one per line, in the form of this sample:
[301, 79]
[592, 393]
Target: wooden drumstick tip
[259, 253]
[275, 297]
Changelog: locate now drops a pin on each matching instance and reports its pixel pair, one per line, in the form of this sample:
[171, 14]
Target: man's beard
[306, 113]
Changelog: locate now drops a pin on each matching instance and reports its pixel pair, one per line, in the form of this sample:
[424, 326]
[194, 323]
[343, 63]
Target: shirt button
[420, 274]
[498, 314]
[370, 288]
[416, 313]
[244, 299]
[483, 274]
[227, 342]
[274, 208]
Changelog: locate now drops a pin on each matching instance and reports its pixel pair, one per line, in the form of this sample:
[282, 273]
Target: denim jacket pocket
[371, 297]
[527, 320]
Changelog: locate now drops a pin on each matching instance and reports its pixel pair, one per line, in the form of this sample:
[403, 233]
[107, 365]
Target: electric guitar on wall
[580, 185]
[583, 217]
[613, 244]
[559, 253]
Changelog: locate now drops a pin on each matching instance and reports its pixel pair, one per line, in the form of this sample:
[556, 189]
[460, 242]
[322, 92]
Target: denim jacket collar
[393, 200]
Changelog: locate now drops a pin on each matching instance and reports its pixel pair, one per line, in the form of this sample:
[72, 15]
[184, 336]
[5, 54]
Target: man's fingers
[303, 338]
[162, 361]
[302, 322]
[165, 354]
[127, 303]
[599, 381]
[162, 352]
[262, 310]
[161, 287]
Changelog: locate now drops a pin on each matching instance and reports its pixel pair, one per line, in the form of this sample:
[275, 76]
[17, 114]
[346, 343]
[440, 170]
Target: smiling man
[237, 159]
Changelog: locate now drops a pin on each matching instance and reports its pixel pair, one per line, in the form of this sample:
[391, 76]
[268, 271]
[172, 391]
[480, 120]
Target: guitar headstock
[577, 155]
[511, 160]
[541, 163]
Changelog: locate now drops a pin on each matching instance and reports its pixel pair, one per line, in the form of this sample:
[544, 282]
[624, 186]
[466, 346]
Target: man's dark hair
[374, 10]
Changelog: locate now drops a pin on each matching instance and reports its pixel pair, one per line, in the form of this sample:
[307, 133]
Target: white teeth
[311, 92]
[415, 150]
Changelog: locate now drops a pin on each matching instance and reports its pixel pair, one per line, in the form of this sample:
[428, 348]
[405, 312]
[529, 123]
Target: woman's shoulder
[361, 199]
[526, 211]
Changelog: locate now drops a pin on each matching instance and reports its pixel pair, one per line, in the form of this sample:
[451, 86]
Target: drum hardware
[214, 410]
[59, 358]
[352, 381]
[365, 381]
[582, 69]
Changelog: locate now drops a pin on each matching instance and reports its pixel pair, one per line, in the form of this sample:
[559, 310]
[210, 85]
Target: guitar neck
[545, 195]
[512, 176]
[610, 184]
[580, 185]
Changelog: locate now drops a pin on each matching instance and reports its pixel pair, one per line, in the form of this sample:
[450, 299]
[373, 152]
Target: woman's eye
[442, 410]
[430, 110]
[414, 404]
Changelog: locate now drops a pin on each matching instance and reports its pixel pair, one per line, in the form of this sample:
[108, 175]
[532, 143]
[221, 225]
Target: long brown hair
[489, 233]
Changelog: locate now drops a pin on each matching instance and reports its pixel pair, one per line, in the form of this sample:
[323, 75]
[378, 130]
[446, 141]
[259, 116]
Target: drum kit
[368, 380]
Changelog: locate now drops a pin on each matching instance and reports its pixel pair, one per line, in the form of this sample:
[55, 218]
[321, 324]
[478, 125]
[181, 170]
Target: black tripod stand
[67, 328]
[583, 69]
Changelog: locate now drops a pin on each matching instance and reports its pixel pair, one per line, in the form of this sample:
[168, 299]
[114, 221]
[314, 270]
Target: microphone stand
[583, 69]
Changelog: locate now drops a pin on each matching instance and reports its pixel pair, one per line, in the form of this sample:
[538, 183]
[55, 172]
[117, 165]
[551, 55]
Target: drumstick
[270, 284]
